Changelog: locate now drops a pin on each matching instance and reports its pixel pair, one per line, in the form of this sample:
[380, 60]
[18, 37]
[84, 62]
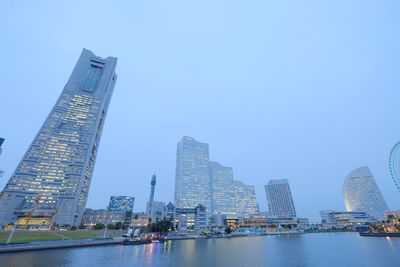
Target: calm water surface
[328, 249]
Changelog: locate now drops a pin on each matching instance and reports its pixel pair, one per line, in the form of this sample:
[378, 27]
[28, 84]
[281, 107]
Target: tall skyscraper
[121, 203]
[192, 181]
[51, 183]
[245, 199]
[151, 200]
[394, 164]
[222, 190]
[361, 193]
[228, 196]
[279, 198]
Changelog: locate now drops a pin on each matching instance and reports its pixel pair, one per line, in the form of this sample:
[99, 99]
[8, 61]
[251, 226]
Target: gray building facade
[192, 182]
[361, 193]
[279, 198]
[121, 203]
[51, 183]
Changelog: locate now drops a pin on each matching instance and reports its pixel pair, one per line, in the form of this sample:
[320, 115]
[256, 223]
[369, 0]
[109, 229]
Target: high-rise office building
[244, 199]
[279, 198]
[222, 190]
[228, 196]
[361, 193]
[121, 203]
[394, 164]
[192, 181]
[51, 183]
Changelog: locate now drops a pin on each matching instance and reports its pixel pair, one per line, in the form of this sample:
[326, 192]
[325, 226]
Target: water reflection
[334, 249]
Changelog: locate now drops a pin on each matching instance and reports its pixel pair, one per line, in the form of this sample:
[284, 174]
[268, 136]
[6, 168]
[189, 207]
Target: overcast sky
[303, 90]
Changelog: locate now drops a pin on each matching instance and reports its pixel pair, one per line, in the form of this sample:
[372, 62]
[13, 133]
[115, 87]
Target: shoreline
[76, 243]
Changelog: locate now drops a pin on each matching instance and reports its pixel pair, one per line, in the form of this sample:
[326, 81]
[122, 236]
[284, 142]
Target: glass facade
[222, 190]
[121, 203]
[200, 181]
[279, 198]
[245, 199]
[230, 197]
[53, 178]
[192, 182]
[361, 193]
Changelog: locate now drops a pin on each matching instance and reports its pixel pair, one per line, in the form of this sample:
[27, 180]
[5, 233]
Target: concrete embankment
[385, 234]
[18, 247]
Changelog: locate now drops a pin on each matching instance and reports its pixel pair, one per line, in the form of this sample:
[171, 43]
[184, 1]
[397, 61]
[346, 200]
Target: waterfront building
[279, 198]
[92, 217]
[51, 183]
[139, 219]
[151, 200]
[394, 164]
[192, 181]
[228, 196]
[361, 193]
[244, 199]
[345, 218]
[192, 218]
[392, 213]
[121, 203]
[200, 218]
[169, 212]
[218, 220]
[222, 191]
[200, 181]
[262, 221]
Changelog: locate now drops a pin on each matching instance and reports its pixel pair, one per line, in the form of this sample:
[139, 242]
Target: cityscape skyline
[309, 112]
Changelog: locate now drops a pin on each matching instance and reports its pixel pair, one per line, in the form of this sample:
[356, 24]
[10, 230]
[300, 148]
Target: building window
[92, 79]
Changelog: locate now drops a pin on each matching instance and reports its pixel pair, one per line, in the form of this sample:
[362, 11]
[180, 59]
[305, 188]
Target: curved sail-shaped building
[51, 183]
[394, 164]
[361, 193]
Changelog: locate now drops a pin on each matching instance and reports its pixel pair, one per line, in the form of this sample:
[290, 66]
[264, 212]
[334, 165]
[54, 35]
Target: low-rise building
[331, 218]
[139, 219]
[101, 216]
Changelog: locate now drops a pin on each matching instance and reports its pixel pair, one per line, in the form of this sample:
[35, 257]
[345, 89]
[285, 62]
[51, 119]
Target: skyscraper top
[153, 180]
[278, 181]
[1, 141]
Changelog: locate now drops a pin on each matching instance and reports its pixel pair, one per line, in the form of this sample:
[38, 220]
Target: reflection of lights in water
[390, 241]
[167, 247]
[148, 250]
[121, 251]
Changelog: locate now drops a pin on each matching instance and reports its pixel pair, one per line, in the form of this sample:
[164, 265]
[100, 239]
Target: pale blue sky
[303, 90]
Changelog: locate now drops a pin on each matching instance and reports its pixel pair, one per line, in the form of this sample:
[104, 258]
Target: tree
[228, 230]
[81, 226]
[118, 225]
[98, 226]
